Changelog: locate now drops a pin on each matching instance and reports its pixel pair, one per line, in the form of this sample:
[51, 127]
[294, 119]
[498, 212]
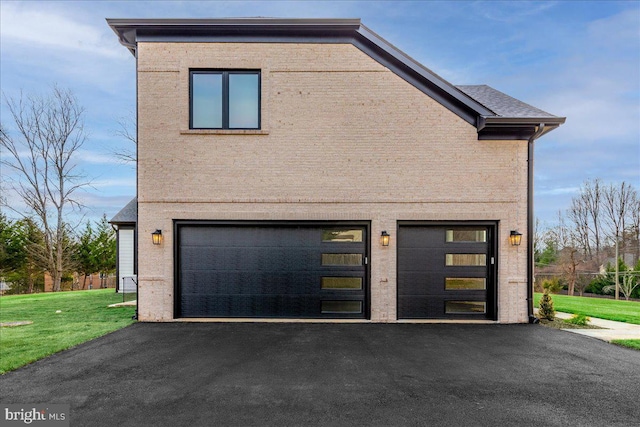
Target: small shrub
[546, 310]
[578, 319]
[552, 286]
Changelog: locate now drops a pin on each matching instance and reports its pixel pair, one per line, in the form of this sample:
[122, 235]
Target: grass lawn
[620, 310]
[635, 344]
[84, 315]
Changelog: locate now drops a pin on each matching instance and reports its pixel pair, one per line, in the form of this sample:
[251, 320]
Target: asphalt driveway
[292, 374]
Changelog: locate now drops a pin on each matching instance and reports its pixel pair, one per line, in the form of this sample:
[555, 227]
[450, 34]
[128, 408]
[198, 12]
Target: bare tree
[50, 131]
[569, 261]
[127, 131]
[579, 215]
[634, 229]
[591, 195]
[617, 202]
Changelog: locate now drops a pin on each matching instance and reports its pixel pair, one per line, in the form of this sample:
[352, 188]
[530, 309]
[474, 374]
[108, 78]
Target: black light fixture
[157, 237]
[384, 238]
[515, 238]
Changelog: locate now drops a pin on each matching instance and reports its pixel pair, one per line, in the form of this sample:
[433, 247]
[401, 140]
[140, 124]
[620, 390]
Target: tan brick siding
[342, 138]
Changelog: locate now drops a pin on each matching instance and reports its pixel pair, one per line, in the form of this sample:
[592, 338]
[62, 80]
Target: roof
[502, 104]
[128, 214]
[472, 105]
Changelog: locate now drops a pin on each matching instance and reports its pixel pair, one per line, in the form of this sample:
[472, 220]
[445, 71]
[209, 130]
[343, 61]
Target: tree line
[24, 260]
[600, 229]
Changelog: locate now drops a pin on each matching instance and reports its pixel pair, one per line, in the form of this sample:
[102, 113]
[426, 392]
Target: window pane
[452, 307]
[341, 259]
[342, 306]
[206, 93]
[465, 283]
[466, 260]
[243, 101]
[342, 235]
[342, 283]
[462, 235]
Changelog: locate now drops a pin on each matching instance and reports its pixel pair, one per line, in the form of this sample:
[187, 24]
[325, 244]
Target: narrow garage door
[271, 270]
[446, 271]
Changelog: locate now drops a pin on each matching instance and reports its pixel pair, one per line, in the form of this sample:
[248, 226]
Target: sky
[579, 60]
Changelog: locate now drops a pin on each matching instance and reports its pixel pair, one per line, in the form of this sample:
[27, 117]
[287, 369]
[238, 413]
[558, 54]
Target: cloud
[593, 80]
[93, 157]
[98, 204]
[558, 191]
[511, 11]
[52, 30]
[114, 182]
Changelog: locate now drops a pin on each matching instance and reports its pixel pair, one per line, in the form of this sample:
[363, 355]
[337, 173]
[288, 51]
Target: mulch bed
[561, 324]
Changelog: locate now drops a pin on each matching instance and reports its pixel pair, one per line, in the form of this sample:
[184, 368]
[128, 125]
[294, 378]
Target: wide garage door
[446, 271]
[305, 270]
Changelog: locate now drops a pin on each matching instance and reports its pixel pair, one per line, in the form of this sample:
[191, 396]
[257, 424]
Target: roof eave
[129, 30]
[515, 128]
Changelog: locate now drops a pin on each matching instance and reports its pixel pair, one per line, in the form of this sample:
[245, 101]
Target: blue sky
[575, 59]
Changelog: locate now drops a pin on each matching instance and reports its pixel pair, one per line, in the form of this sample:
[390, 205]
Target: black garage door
[271, 270]
[446, 271]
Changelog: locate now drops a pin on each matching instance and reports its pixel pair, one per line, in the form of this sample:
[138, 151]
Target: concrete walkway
[611, 330]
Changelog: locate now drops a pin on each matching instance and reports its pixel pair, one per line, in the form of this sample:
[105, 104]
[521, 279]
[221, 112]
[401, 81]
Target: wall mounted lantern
[157, 237]
[515, 238]
[384, 238]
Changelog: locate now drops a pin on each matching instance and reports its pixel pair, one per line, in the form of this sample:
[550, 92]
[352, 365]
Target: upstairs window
[224, 100]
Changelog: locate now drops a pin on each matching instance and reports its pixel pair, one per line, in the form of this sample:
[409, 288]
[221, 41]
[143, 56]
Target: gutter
[530, 223]
[131, 46]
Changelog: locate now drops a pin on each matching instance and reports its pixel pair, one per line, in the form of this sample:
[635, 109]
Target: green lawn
[635, 344]
[84, 315]
[620, 310]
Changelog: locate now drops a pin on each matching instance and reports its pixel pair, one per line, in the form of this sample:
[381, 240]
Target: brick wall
[342, 138]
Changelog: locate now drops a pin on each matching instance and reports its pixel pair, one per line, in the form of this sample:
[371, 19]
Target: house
[307, 168]
[125, 224]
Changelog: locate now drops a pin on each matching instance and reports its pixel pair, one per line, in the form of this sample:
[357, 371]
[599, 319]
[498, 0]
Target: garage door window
[338, 283]
[341, 259]
[342, 307]
[464, 307]
[341, 236]
[466, 235]
[465, 283]
[466, 260]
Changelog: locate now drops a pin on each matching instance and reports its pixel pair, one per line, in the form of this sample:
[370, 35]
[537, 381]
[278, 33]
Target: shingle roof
[128, 214]
[501, 103]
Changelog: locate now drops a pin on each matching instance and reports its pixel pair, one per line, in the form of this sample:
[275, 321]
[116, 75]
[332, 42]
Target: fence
[129, 288]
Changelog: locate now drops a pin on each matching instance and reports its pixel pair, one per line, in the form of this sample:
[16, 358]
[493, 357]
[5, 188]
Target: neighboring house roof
[128, 214]
[468, 105]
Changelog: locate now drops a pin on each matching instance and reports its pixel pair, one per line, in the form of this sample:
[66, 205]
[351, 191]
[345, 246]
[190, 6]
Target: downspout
[136, 229]
[530, 224]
